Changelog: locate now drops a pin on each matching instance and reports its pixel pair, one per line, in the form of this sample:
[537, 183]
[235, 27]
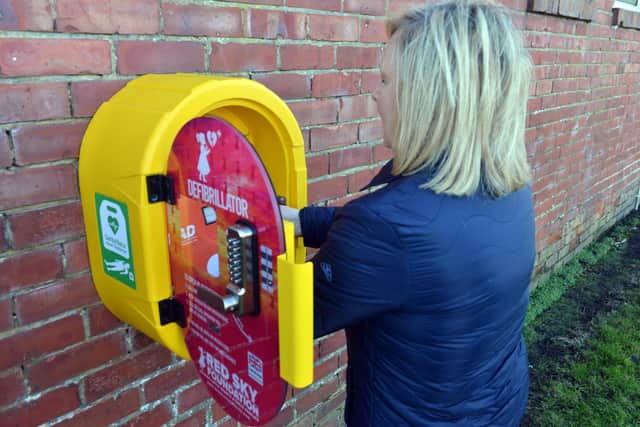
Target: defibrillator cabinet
[180, 179]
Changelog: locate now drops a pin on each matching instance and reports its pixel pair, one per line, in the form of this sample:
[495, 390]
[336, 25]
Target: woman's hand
[292, 215]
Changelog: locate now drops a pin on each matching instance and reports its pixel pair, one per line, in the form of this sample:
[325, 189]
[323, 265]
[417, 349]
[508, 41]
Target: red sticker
[221, 184]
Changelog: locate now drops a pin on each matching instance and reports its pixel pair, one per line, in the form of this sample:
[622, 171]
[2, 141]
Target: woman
[429, 274]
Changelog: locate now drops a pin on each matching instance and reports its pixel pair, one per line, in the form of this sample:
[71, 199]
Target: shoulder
[400, 201]
[366, 220]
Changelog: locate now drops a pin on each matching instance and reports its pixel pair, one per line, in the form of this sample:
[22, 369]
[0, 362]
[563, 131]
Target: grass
[602, 389]
[584, 339]
[573, 271]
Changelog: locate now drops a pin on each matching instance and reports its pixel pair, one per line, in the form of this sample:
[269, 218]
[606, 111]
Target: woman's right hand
[292, 215]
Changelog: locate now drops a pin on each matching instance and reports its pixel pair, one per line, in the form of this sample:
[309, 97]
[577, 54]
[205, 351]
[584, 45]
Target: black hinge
[160, 189]
[172, 310]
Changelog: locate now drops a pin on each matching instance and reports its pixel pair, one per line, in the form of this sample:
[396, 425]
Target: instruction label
[113, 222]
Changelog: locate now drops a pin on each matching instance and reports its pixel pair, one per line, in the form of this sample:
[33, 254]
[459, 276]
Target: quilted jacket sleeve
[360, 271]
[315, 222]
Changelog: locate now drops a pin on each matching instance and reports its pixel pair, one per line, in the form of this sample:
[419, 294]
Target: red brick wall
[65, 359]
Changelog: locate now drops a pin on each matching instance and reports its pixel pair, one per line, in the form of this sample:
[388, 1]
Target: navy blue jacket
[432, 291]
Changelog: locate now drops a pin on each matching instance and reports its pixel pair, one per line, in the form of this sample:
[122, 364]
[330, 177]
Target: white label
[114, 229]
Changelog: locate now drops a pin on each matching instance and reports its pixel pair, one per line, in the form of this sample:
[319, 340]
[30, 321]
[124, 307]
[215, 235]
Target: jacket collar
[384, 176]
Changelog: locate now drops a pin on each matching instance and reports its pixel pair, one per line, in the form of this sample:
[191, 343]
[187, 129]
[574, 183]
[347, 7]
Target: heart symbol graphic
[113, 224]
[212, 137]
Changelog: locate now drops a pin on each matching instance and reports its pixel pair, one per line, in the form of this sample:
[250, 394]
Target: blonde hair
[462, 82]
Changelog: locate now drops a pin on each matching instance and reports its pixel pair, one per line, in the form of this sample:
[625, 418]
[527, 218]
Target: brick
[45, 408]
[331, 188]
[6, 318]
[77, 258]
[331, 344]
[89, 355]
[305, 421]
[398, 7]
[6, 155]
[195, 20]
[357, 107]
[232, 423]
[370, 131]
[56, 298]
[571, 85]
[122, 373]
[369, 7]
[326, 368]
[196, 420]
[218, 413]
[29, 269]
[349, 158]
[333, 420]
[306, 134]
[106, 411]
[373, 30]
[23, 187]
[370, 81]
[331, 405]
[25, 15]
[313, 398]
[556, 42]
[333, 5]
[282, 419]
[46, 225]
[543, 87]
[192, 396]
[380, 153]
[26, 101]
[158, 416]
[273, 2]
[336, 84]
[520, 5]
[272, 24]
[27, 345]
[87, 96]
[38, 57]
[343, 373]
[543, 56]
[140, 57]
[294, 57]
[356, 181]
[535, 104]
[139, 341]
[231, 57]
[334, 28]
[12, 386]
[168, 382]
[315, 112]
[358, 57]
[286, 85]
[101, 320]
[317, 166]
[546, 72]
[333, 136]
[544, 6]
[577, 9]
[537, 40]
[4, 243]
[48, 142]
[108, 16]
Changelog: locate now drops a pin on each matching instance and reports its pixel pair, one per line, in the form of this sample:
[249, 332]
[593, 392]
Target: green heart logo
[113, 224]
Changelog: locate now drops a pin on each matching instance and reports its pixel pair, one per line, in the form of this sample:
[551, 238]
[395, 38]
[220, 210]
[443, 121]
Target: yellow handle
[295, 315]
